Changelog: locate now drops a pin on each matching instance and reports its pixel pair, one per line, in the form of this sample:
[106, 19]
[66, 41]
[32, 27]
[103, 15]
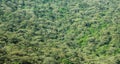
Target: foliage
[59, 32]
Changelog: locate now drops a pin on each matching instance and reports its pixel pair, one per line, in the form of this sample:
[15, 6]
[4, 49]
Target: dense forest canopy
[59, 31]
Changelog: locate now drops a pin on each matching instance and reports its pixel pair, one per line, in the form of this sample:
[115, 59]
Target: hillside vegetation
[59, 31]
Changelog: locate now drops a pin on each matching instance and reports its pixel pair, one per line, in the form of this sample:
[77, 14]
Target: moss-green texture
[59, 32]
